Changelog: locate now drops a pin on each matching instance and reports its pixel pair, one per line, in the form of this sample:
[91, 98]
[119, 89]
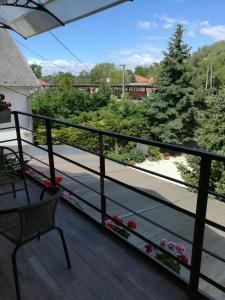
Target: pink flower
[163, 242]
[183, 258]
[171, 245]
[180, 248]
[149, 248]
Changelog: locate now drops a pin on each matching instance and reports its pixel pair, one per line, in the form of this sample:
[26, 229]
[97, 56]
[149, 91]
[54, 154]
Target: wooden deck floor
[102, 268]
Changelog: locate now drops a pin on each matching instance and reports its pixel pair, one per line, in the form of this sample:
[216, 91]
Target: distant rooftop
[141, 79]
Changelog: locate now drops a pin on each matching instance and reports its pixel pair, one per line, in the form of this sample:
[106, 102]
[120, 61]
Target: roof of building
[141, 79]
[14, 69]
[42, 82]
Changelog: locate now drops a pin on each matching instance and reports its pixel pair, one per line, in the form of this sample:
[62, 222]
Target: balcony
[108, 264]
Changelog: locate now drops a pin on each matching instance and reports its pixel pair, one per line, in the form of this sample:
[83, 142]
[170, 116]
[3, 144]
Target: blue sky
[134, 33]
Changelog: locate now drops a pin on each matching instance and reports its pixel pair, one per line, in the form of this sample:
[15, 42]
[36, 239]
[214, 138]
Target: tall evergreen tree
[175, 103]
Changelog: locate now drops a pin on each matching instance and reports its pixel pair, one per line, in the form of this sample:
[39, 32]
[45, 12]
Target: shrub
[154, 153]
[136, 155]
[123, 157]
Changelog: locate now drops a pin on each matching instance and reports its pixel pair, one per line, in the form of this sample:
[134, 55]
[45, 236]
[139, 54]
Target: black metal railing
[202, 188]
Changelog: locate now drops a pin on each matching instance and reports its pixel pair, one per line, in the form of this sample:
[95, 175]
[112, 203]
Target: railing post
[18, 135]
[102, 177]
[199, 229]
[50, 150]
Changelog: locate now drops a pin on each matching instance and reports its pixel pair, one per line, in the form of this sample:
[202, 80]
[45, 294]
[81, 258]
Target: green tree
[150, 71]
[174, 105]
[210, 136]
[83, 77]
[64, 79]
[211, 58]
[37, 69]
[100, 72]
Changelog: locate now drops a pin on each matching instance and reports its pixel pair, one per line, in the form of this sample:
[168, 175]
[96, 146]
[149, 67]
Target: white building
[17, 83]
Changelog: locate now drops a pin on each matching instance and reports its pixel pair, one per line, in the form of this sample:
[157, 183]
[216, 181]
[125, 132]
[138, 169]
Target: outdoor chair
[11, 170]
[23, 224]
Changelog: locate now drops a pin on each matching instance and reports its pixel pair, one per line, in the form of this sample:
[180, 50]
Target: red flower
[46, 182]
[117, 220]
[28, 170]
[58, 179]
[111, 226]
[149, 247]
[131, 224]
[183, 258]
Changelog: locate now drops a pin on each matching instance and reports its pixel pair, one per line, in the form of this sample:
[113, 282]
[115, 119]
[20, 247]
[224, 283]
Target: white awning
[29, 18]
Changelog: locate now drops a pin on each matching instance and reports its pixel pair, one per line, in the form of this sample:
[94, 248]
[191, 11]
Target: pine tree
[176, 101]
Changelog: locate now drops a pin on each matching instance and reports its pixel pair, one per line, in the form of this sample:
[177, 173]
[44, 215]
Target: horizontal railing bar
[34, 145]
[154, 173]
[69, 191]
[222, 197]
[167, 146]
[5, 128]
[80, 198]
[164, 202]
[64, 142]
[212, 282]
[76, 147]
[7, 141]
[65, 158]
[119, 204]
[45, 176]
[150, 221]
[17, 190]
[30, 130]
[215, 225]
[63, 173]
[76, 163]
[213, 254]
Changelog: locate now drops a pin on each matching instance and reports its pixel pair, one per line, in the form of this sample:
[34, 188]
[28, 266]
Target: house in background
[144, 80]
[17, 83]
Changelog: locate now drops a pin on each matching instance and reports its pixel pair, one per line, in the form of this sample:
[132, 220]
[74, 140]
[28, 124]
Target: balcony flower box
[5, 116]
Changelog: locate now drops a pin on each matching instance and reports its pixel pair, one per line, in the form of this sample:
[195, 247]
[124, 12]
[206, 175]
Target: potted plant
[5, 112]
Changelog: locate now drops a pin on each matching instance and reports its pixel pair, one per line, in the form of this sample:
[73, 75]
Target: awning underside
[29, 18]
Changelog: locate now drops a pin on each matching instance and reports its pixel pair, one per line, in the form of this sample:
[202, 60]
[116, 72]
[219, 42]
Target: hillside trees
[211, 58]
[210, 136]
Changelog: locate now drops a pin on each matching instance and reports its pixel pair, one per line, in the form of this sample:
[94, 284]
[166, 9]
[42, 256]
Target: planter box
[5, 116]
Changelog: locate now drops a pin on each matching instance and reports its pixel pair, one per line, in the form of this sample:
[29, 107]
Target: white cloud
[54, 66]
[215, 32]
[168, 22]
[146, 24]
[140, 54]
